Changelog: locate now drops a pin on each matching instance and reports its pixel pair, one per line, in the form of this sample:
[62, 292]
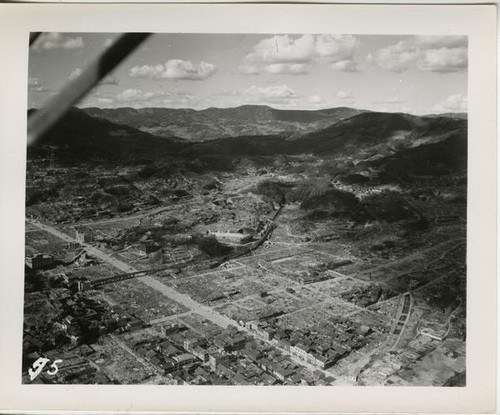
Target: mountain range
[213, 123]
[374, 139]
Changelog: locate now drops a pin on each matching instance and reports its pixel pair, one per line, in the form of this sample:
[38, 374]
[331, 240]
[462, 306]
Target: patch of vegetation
[388, 206]
[212, 247]
[332, 199]
[276, 191]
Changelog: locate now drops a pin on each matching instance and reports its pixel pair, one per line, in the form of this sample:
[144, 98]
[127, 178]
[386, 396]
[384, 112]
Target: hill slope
[213, 123]
[80, 136]
[363, 136]
[383, 141]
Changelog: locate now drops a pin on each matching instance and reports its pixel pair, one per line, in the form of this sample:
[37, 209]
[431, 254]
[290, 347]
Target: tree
[274, 190]
[211, 246]
[333, 199]
[389, 206]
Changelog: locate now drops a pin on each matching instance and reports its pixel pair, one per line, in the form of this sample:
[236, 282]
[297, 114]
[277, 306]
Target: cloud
[425, 53]
[348, 65]
[130, 94]
[306, 48]
[276, 94]
[444, 60]
[286, 68]
[286, 54]
[336, 48]
[179, 69]
[175, 69]
[147, 71]
[397, 58]
[135, 95]
[35, 85]
[315, 99]
[56, 40]
[283, 48]
[103, 100]
[454, 103]
[344, 94]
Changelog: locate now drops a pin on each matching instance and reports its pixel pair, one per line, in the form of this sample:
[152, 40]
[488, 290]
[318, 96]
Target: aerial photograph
[246, 209]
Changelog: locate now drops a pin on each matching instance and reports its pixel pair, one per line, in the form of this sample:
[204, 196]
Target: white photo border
[478, 22]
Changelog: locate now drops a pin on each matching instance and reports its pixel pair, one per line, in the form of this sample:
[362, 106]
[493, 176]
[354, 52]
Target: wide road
[169, 292]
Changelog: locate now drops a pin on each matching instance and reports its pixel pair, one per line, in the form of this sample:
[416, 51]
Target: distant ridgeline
[215, 138]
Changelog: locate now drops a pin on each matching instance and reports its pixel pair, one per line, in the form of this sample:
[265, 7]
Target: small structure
[40, 261]
[148, 247]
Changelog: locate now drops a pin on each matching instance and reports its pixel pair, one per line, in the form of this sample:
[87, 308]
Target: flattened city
[136, 276]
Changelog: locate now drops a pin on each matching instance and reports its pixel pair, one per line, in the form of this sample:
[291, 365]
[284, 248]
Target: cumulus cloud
[348, 65]
[345, 94]
[454, 103]
[315, 99]
[397, 58]
[103, 100]
[283, 48]
[444, 60]
[286, 68]
[136, 95]
[287, 54]
[336, 48]
[175, 69]
[56, 40]
[286, 49]
[275, 94]
[442, 54]
[147, 71]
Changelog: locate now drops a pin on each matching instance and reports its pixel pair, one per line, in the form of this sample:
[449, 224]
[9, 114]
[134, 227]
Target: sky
[413, 74]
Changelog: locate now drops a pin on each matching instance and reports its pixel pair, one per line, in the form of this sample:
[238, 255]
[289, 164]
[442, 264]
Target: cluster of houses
[81, 318]
[321, 347]
[229, 357]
